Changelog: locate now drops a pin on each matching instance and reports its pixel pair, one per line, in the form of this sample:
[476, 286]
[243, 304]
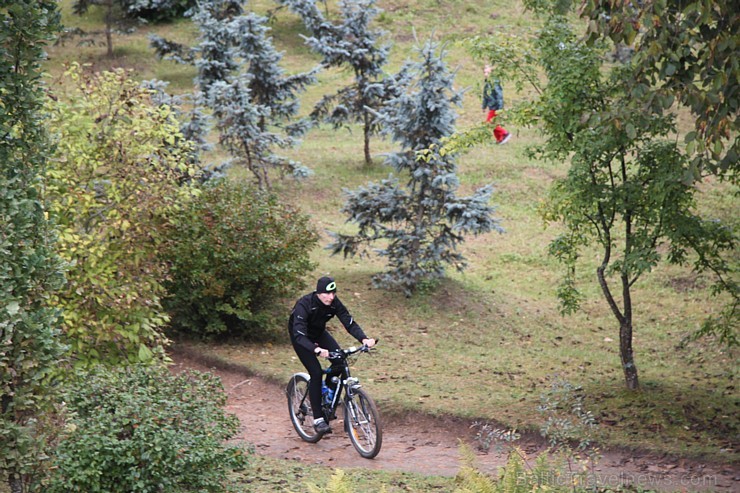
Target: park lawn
[485, 344]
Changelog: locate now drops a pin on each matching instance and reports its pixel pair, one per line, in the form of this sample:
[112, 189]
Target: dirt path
[425, 445]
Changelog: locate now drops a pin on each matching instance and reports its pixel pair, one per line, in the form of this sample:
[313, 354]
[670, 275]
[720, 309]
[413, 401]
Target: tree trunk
[624, 317]
[625, 337]
[627, 356]
[368, 159]
[16, 484]
[109, 30]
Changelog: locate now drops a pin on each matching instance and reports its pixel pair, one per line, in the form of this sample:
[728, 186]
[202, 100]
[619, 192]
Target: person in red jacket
[493, 101]
[311, 340]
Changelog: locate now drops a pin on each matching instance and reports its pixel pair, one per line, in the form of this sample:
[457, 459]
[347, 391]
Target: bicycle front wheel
[362, 422]
[299, 406]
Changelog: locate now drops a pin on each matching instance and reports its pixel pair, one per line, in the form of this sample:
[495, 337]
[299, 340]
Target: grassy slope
[485, 343]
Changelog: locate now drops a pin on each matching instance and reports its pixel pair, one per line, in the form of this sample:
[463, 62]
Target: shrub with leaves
[236, 250]
[142, 429]
[486, 434]
[567, 419]
[117, 181]
[30, 270]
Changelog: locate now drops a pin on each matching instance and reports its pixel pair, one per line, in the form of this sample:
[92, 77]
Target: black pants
[315, 370]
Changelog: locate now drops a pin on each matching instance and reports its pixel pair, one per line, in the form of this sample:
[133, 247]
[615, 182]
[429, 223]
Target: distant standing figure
[493, 100]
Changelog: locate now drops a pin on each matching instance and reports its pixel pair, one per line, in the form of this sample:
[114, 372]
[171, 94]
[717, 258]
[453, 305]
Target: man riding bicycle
[310, 339]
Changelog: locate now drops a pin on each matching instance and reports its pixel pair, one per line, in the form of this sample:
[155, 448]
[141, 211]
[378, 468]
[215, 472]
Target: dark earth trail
[426, 445]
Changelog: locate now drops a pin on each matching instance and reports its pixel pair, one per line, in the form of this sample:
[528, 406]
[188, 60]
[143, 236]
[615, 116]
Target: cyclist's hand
[369, 342]
[319, 351]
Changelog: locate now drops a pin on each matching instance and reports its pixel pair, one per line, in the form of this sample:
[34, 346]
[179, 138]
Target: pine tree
[350, 43]
[240, 79]
[29, 268]
[424, 222]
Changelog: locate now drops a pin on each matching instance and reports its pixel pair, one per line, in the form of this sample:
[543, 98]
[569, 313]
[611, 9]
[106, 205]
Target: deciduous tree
[119, 177]
[30, 270]
[626, 190]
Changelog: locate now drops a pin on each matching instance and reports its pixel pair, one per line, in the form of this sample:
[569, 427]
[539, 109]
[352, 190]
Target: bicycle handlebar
[343, 353]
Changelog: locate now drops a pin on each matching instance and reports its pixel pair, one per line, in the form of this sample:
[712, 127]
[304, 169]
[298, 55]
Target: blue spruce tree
[350, 43]
[240, 79]
[422, 223]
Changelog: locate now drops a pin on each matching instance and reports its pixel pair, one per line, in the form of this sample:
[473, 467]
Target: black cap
[326, 285]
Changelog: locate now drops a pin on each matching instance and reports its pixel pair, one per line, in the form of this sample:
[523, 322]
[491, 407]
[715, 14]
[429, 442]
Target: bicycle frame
[345, 381]
[361, 417]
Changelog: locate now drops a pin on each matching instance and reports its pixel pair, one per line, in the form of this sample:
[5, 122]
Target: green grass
[266, 475]
[485, 344]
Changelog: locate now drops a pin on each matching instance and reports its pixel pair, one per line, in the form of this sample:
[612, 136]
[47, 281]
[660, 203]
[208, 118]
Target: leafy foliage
[118, 180]
[424, 222]
[194, 123]
[30, 270]
[684, 51]
[545, 473]
[142, 429]
[487, 434]
[568, 421]
[235, 251]
[630, 187]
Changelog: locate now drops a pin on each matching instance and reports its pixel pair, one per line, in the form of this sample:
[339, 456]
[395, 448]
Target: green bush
[142, 429]
[115, 186]
[235, 251]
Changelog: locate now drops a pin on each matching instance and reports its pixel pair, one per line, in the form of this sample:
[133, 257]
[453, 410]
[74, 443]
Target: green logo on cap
[332, 286]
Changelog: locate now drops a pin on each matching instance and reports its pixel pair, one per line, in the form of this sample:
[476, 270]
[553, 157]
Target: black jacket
[309, 316]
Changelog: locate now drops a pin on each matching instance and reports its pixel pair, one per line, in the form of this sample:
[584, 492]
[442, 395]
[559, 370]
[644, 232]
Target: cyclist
[311, 340]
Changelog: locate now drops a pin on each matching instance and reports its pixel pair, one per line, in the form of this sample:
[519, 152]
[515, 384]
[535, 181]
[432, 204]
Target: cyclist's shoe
[322, 428]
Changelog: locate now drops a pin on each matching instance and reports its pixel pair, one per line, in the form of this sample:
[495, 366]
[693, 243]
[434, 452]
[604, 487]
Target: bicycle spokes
[299, 407]
[363, 424]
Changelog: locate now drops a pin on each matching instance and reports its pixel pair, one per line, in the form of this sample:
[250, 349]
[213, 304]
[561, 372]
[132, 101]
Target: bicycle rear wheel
[362, 422]
[299, 406]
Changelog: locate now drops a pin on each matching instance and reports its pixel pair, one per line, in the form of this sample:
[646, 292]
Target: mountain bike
[361, 418]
